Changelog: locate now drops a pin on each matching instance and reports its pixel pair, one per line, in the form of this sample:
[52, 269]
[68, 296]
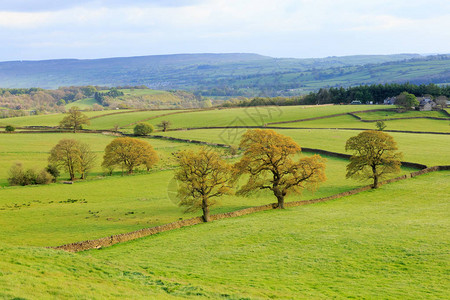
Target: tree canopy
[374, 156]
[143, 129]
[74, 156]
[74, 119]
[203, 175]
[269, 161]
[129, 153]
[406, 101]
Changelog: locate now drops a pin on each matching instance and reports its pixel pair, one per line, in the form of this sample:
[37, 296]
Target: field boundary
[124, 237]
[392, 119]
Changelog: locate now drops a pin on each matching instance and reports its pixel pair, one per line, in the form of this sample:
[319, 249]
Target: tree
[203, 175]
[87, 159]
[441, 102]
[72, 155]
[268, 159]
[164, 125]
[406, 101]
[129, 153]
[74, 119]
[380, 125]
[143, 129]
[374, 156]
[10, 128]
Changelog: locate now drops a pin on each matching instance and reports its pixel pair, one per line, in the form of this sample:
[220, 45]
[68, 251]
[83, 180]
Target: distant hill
[228, 74]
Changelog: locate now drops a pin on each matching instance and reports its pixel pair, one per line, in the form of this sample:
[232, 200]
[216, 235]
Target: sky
[84, 29]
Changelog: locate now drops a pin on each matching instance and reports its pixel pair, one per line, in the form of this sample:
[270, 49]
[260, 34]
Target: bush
[18, 176]
[10, 128]
[53, 171]
[143, 129]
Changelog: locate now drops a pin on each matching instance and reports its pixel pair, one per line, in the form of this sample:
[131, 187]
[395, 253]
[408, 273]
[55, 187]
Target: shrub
[53, 171]
[143, 129]
[10, 128]
[18, 176]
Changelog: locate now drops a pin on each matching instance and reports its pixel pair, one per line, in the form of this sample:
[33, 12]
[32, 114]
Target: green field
[123, 119]
[429, 149]
[379, 115]
[256, 116]
[47, 120]
[83, 104]
[347, 121]
[388, 243]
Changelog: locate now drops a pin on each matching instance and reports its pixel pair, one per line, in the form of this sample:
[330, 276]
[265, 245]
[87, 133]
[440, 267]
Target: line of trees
[364, 93]
[268, 162]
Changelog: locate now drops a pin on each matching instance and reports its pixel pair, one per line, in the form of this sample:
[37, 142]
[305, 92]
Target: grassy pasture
[33, 150]
[256, 116]
[427, 149]
[123, 119]
[378, 115]
[348, 121]
[386, 243]
[83, 103]
[120, 204]
[46, 120]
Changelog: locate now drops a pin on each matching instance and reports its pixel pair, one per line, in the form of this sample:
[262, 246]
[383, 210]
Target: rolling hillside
[228, 74]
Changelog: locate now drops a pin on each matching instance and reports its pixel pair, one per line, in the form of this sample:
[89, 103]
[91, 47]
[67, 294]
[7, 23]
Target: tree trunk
[375, 182]
[375, 177]
[205, 209]
[280, 201]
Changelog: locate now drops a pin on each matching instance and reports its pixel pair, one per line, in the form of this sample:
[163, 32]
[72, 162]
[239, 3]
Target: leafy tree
[380, 125]
[164, 125]
[10, 128]
[129, 153]
[74, 119]
[406, 101]
[203, 175]
[374, 156]
[269, 160]
[87, 159]
[73, 156]
[143, 129]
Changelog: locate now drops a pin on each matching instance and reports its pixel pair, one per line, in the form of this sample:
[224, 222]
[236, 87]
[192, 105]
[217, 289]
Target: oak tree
[203, 175]
[269, 161]
[72, 155]
[129, 153]
[74, 119]
[374, 156]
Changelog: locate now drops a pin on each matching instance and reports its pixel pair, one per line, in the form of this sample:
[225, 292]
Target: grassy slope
[421, 148]
[119, 204]
[33, 150]
[348, 121]
[256, 116]
[378, 115]
[123, 119]
[83, 103]
[45, 120]
[389, 243]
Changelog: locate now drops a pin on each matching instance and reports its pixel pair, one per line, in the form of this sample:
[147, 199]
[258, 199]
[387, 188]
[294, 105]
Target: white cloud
[92, 28]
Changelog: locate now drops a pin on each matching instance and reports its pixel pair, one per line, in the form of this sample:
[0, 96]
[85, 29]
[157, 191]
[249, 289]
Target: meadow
[386, 243]
[428, 149]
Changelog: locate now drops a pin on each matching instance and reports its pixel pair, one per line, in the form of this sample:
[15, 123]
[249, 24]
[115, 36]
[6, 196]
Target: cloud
[297, 28]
